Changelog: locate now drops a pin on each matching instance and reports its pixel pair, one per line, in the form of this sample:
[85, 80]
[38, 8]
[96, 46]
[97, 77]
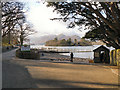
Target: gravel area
[58, 57]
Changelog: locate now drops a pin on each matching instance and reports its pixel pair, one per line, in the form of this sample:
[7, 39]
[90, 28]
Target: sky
[39, 15]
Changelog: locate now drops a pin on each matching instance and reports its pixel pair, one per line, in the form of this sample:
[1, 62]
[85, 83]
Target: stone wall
[32, 54]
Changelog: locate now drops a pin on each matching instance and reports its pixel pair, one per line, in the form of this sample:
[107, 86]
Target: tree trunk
[9, 37]
[21, 40]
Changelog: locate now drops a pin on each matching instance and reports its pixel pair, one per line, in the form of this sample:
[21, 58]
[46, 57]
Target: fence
[115, 57]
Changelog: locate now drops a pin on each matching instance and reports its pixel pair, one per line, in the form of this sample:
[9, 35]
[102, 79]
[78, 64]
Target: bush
[115, 57]
[111, 58]
[118, 57]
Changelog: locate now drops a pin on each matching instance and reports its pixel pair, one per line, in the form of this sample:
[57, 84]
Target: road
[23, 73]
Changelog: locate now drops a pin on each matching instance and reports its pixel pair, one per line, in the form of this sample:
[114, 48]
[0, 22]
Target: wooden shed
[101, 54]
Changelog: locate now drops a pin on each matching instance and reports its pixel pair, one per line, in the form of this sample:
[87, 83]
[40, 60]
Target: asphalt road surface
[23, 73]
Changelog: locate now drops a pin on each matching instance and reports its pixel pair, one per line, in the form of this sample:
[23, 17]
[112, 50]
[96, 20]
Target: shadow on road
[64, 84]
[16, 76]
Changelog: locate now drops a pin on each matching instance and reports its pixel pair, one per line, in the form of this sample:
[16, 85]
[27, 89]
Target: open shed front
[101, 55]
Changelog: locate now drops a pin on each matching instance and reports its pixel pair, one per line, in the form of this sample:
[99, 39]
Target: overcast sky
[39, 15]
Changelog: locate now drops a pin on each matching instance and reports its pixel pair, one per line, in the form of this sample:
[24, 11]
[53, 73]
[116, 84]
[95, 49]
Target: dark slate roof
[100, 47]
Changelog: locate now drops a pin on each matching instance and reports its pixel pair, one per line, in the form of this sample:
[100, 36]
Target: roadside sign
[25, 48]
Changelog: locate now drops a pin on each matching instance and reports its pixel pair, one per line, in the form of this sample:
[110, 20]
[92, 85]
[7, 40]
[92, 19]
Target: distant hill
[62, 36]
[43, 39]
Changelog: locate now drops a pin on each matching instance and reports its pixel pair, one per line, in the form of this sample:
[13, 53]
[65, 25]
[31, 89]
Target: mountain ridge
[43, 39]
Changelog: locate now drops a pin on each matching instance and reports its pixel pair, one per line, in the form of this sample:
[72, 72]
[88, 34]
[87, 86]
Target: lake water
[78, 51]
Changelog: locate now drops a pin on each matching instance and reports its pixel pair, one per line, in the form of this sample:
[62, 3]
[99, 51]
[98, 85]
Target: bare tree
[11, 12]
[25, 30]
[14, 21]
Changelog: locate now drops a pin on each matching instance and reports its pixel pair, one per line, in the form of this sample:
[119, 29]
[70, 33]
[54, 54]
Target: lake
[78, 51]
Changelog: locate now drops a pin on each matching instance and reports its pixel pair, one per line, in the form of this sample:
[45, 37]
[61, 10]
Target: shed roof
[100, 47]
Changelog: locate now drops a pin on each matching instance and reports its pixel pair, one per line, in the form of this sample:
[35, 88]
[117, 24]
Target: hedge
[118, 57]
[115, 57]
